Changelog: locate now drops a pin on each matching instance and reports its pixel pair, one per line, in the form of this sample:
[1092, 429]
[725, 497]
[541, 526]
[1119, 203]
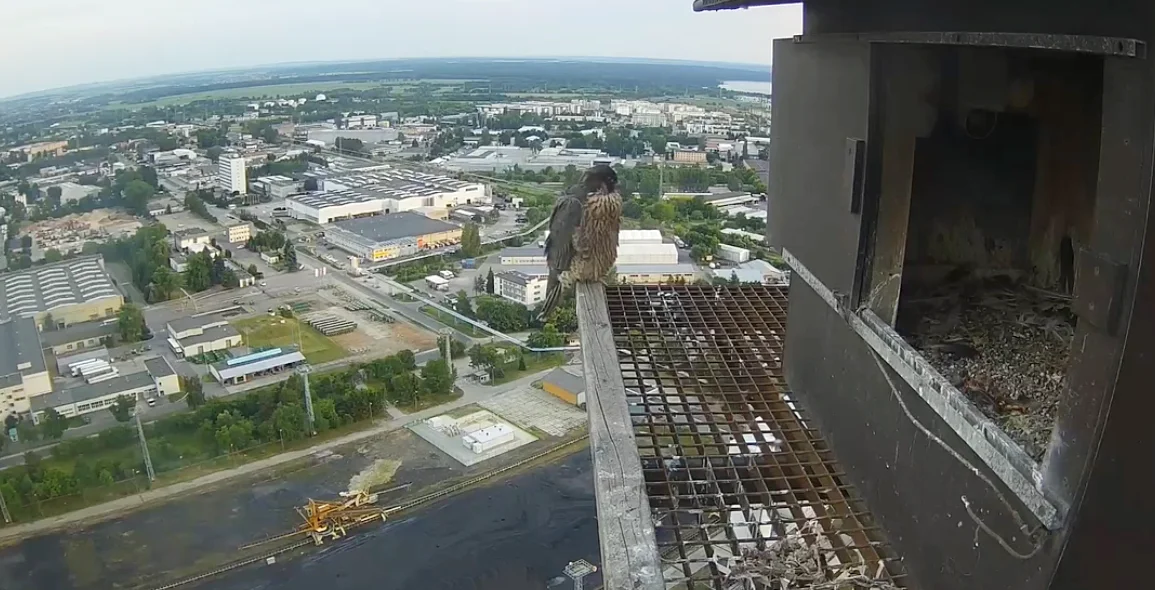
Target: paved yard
[449, 440]
[529, 407]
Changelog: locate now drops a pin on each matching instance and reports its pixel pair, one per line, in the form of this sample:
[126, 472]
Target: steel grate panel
[744, 493]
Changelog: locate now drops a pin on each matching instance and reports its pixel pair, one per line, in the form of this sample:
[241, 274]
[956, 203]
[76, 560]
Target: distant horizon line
[606, 59]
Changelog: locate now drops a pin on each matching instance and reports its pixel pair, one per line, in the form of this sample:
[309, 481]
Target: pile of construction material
[332, 325]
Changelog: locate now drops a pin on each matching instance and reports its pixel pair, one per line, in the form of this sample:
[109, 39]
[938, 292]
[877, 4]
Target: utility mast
[303, 371]
[144, 448]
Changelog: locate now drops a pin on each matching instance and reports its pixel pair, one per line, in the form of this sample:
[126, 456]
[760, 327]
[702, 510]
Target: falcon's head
[600, 178]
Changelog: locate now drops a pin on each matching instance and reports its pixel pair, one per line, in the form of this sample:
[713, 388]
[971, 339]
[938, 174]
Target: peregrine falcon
[583, 234]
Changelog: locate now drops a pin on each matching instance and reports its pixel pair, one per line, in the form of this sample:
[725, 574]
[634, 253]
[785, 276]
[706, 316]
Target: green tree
[122, 408]
[405, 388]
[52, 195]
[53, 255]
[130, 320]
[471, 240]
[456, 347]
[462, 304]
[290, 255]
[53, 424]
[325, 412]
[194, 391]
[165, 282]
[489, 282]
[548, 337]
[136, 196]
[437, 377]
[27, 432]
[48, 323]
[148, 176]
[289, 421]
[198, 276]
[407, 359]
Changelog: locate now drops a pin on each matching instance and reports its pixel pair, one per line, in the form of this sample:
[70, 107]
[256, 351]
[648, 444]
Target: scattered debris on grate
[744, 493]
[793, 562]
[1004, 345]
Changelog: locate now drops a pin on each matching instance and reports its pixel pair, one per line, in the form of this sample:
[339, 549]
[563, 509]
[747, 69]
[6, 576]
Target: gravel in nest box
[793, 563]
[1006, 348]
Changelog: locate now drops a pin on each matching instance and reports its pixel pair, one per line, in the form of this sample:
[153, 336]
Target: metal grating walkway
[743, 493]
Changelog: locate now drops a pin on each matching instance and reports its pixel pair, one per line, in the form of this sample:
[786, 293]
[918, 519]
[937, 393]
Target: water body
[750, 86]
[513, 535]
[510, 535]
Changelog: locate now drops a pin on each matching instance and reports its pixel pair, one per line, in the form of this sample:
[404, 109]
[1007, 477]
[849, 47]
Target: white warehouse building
[646, 254]
[488, 438]
[383, 189]
[635, 246]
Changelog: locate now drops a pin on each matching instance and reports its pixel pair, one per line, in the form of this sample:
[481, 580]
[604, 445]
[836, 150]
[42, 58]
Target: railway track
[392, 510]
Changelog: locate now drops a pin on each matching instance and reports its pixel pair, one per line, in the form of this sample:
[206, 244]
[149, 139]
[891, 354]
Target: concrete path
[472, 393]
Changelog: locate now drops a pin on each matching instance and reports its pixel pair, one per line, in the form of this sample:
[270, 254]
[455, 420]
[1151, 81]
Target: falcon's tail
[553, 289]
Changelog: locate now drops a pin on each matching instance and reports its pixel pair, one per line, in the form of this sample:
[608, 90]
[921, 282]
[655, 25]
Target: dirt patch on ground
[376, 475]
[355, 342]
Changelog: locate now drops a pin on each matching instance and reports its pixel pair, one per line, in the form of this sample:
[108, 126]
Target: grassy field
[533, 363]
[448, 320]
[307, 90]
[280, 331]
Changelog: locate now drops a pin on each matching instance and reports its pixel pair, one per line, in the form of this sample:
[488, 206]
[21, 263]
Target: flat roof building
[502, 158]
[72, 291]
[390, 236]
[526, 289]
[197, 335]
[240, 233]
[232, 176]
[256, 365]
[652, 274]
[23, 372]
[522, 256]
[80, 336]
[92, 397]
[381, 189]
[166, 378]
[277, 187]
[565, 386]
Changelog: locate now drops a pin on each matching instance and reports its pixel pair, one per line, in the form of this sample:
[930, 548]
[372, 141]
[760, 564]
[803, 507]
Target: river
[750, 86]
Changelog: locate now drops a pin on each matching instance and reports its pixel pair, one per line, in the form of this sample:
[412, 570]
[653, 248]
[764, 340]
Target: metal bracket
[1112, 46]
[1099, 286]
[852, 172]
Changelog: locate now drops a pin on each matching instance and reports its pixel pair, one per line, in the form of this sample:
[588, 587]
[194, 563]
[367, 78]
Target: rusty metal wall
[934, 508]
[1123, 18]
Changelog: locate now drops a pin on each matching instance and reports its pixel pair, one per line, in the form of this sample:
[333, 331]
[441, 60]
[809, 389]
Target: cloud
[52, 43]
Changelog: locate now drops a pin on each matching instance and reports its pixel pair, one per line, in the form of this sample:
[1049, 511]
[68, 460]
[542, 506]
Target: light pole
[577, 570]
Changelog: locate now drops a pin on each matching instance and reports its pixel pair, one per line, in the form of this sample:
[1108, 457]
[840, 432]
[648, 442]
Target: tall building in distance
[231, 174]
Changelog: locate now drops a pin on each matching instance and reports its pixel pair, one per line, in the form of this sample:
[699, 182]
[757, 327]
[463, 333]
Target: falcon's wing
[563, 225]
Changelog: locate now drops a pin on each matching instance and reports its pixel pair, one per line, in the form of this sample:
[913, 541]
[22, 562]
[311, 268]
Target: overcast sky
[52, 43]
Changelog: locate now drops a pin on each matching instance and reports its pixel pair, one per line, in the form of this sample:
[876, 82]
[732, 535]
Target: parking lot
[187, 220]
